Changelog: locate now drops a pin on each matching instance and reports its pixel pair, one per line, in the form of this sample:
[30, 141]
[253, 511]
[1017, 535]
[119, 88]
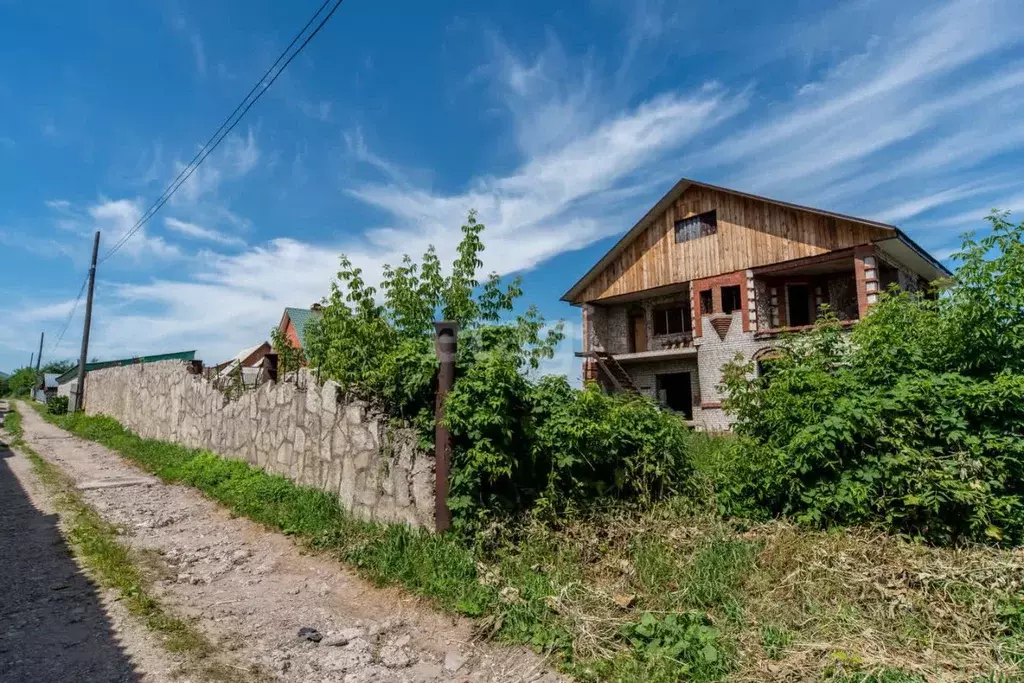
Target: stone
[396, 657]
[240, 556]
[343, 637]
[311, 634]
[307, 432]
[454, 660]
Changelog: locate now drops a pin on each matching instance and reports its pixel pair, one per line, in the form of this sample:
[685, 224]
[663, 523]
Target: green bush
[57, 405]
[517, 440]
[521, 443]
[914, 420]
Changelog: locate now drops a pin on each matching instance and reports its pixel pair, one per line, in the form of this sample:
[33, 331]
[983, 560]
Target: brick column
[750, 309]
[865, 267]
[589, 365]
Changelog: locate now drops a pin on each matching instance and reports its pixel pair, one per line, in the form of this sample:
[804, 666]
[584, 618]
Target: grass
[113, 565]
[662, 594]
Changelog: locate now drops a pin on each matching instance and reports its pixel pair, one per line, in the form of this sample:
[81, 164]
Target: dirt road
[55, 624]
[252, 590]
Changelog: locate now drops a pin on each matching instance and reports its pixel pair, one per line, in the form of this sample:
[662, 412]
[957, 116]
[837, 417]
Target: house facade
[709, 273]
[293, 324]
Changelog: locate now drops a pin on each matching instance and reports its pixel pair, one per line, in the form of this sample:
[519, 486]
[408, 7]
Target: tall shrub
[517, 440]
[915, 421]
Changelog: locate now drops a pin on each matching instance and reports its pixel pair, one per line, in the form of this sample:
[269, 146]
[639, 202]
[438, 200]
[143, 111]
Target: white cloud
[115, 218]
[911, 85]
[200, 233]
[904, 116]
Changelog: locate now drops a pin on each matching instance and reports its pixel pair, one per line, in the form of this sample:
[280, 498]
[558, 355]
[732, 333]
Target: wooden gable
[750, 232]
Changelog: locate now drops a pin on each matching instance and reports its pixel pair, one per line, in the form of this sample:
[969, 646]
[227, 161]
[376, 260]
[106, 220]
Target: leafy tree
[21, 383]
[914, 420]
[517, 441]
[289, 358]
[58, 367]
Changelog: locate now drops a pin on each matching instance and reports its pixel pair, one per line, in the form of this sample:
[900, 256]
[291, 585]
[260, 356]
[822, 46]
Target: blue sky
[560, 126]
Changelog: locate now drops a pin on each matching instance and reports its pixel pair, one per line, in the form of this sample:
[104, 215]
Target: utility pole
[80, 389]
[32, 359]
[39, 360]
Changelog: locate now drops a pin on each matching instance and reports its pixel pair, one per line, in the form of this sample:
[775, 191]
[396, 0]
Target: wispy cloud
[894, 126]
[115, 218]
[200, 233]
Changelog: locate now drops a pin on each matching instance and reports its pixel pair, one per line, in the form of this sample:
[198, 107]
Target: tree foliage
[914, 420]
[517, 440]
[22, 382]
[289, 358]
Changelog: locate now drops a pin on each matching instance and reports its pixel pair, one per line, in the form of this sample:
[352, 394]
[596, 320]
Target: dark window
[731, 299]
[675, 392]
[799, 304]
[671, 320]
[696, 226]
[707, 302]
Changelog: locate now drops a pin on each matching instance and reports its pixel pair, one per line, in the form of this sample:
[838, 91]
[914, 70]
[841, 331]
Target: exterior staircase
[614, 371]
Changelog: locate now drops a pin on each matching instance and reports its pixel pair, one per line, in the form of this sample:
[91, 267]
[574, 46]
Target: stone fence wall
[303, 431]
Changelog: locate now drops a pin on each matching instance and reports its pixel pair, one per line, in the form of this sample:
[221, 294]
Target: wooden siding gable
[751, 232]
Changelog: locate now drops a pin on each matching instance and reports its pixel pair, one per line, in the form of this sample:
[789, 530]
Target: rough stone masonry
[304, 431]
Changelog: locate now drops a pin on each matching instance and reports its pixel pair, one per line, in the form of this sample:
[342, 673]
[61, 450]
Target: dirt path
[55, 624]
[252, 590]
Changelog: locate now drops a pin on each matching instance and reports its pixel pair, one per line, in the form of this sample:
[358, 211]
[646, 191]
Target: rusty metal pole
[445, 345]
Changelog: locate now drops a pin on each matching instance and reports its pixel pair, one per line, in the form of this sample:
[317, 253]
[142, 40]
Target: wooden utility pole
[80, 389]
[39, 360]
[444, 346]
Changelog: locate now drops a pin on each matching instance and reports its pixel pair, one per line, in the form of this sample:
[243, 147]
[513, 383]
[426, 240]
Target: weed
[775, 640]
[857, 605]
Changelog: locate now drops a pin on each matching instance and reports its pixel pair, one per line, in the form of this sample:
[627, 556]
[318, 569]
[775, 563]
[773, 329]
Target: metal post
[445, 346]
[80, 389]
[32, 359]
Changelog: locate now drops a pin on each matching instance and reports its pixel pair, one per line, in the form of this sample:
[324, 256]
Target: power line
[71, 314]
[225, 129]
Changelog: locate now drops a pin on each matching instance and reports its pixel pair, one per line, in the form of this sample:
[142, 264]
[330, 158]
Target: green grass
[112, 564]
[851, 606]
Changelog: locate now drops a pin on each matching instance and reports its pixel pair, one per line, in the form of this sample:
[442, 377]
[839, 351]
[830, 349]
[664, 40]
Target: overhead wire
[71, 314]
[228, 125]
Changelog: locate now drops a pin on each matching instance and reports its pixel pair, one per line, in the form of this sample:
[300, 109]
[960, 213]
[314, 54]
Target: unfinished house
[710, 273]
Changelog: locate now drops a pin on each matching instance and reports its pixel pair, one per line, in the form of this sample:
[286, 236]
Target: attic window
[693, 227]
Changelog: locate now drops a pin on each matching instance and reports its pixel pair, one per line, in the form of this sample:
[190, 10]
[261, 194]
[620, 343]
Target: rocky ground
[276, 612]
[55, 624]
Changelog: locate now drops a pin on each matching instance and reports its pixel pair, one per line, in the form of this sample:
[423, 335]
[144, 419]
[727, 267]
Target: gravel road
[252, 590]
[55, 625]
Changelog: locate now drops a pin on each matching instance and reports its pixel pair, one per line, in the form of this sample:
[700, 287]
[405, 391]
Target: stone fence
[304, 431]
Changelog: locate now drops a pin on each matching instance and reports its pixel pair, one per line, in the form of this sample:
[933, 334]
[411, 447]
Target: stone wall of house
[645, 376]
[713, 352]
[300, 430]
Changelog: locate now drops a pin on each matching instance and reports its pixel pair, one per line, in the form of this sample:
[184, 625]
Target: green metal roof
[300, 317]
[99, 365]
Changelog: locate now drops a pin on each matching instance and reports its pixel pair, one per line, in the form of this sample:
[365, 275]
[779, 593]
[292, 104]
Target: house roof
[229, 366]
[686, 183]
[99, 365]
[300, 317]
